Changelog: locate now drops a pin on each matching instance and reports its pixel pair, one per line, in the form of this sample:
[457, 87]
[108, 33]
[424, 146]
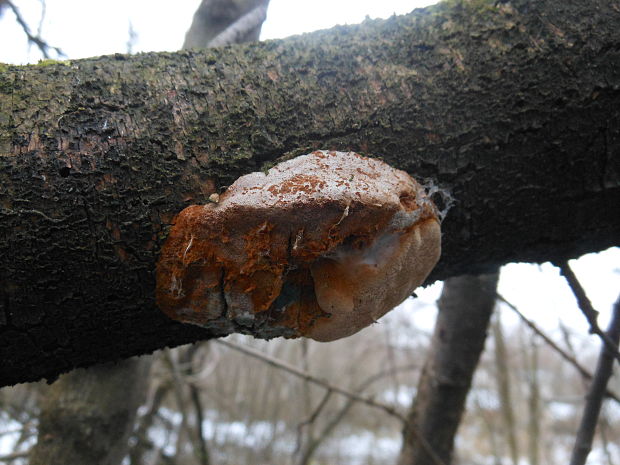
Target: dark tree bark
[77, 403]
[90, 424]
[514, 108]
[465, 307]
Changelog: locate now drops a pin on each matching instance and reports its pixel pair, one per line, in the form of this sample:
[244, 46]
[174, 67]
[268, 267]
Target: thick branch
[515, 109]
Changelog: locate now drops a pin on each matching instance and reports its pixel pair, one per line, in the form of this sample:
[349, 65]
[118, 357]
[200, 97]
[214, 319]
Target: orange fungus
[321, 246]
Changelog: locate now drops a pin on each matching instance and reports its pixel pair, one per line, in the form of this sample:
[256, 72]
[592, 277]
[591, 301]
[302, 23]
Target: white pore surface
[338, 176]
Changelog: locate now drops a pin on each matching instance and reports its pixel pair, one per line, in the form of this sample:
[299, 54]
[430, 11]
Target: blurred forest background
[298, 402]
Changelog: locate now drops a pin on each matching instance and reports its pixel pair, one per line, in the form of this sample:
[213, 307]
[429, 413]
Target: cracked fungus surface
[321, 246]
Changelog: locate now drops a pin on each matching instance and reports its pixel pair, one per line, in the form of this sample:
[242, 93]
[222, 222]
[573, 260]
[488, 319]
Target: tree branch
[390, 410]
[306, 456]
[14, 456]
[98, 156]
[594, 399]
[241, 27]
[565, 355]
[586, 308]
[41, 44]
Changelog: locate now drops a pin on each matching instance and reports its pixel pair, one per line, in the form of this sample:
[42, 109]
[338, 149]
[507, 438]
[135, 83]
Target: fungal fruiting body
[321, 246]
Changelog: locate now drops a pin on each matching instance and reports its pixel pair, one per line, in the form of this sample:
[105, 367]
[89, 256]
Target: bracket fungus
[321, 246]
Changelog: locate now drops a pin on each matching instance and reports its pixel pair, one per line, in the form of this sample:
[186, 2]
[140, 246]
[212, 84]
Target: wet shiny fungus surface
[321, 246]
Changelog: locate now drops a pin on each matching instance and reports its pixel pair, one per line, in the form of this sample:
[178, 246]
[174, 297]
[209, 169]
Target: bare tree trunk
[465, 307]
[88, 414]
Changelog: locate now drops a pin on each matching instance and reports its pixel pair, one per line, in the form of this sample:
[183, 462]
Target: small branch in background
[42, 18]
[178, 388]
[594, 399]
[311, 378]
[233, 33]
[505, 390]
[14, 456]
[565, 355]
[311, 419]
[203, 453]
[132, 38]
[180, 368]
[533, 399]
[308, 452]
[586, 307]
[142, 443]
[41, 44]
[391, 357]
[337, 389]
[604, 426]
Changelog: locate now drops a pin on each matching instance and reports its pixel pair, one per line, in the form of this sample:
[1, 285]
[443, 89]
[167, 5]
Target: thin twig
[325, 433]
[183, 367]
[586, 307]
[337, 418]
[203, 454]
[178, 384]
[565, 355]
[42, 45]
[311, 378]
[42, 18]
[594, 399]
[14, 456]
[142, 442]
[311, 419]
[317, 410]
[342, 391]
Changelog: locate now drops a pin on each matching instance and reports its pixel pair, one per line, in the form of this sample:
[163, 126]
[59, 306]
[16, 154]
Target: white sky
[87, 28]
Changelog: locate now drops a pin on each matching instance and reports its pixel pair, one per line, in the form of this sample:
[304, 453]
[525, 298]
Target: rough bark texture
[514, 108]
[90, 424]
[465, 307]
